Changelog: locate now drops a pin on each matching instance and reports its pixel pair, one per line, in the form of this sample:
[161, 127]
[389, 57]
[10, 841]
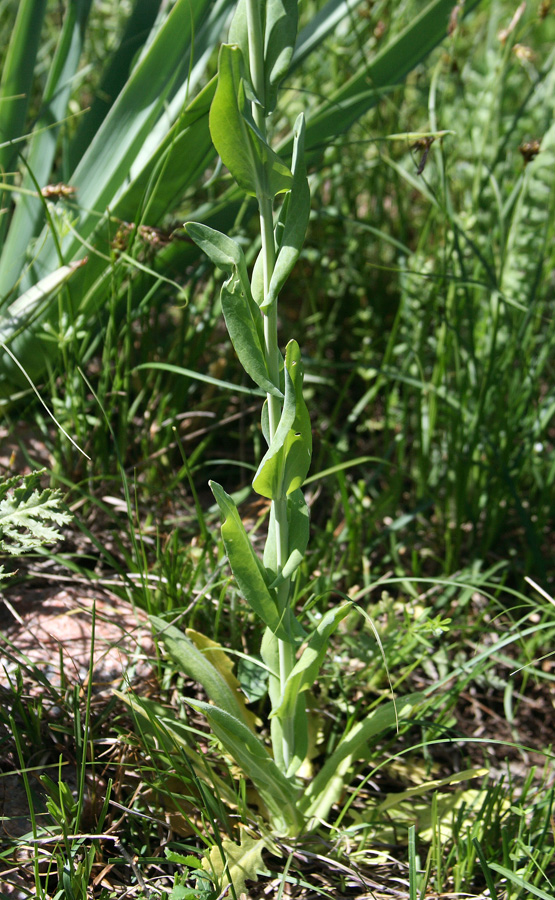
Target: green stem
[273, 356]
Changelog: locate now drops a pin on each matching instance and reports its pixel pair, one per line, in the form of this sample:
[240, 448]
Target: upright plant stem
[281, 535]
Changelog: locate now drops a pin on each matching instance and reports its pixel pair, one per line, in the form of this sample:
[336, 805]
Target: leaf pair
[241, 313]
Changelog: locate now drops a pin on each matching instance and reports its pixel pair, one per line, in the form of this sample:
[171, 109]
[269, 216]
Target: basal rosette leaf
[204, 665]
[277, 791]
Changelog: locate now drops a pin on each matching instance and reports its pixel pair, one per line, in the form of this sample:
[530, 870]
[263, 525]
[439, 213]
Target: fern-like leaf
[29, 516]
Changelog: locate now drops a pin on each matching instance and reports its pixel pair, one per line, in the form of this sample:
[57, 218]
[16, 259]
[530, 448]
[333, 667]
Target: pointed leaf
[244, 323]
[221, 249]
[241, 313]
[291, 230]
[287, 460]
[247, 569]
[269, 475]
[254, 165]
[217, 656]
[306, 670]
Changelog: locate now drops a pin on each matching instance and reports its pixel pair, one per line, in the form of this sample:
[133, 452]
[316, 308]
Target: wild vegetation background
[423, 304]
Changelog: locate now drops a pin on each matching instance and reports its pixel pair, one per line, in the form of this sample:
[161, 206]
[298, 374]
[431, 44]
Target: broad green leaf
[298, 444]
[254, 165]
[291, 229]
[247, 569]
[287, 460]
[221, 249]
[298, 521]
[248, 752]
[308, 666]
[199, 666]
[280, 34]
[269, 475]
[328, 785]
[242, 863]
[244, 324]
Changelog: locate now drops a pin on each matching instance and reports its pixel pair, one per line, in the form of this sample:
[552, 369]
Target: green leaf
[287, 460]
[243, 862]
[221, 249]
[241, 313]
[520, 882]
[308, 666]
[244, 323]
[18, 75]
[279, 19]
[205, 665]
[247, 569]
[326, 788]
[280, 33]
[29, 517]
[254, 165]
[293, 222]
[249, 753]
[298, 521]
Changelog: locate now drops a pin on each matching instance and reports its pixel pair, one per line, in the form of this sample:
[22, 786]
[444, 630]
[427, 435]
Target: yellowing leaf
[242, 862]
[216, 655]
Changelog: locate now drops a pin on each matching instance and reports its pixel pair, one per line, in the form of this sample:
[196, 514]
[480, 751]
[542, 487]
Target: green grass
[425, 306]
